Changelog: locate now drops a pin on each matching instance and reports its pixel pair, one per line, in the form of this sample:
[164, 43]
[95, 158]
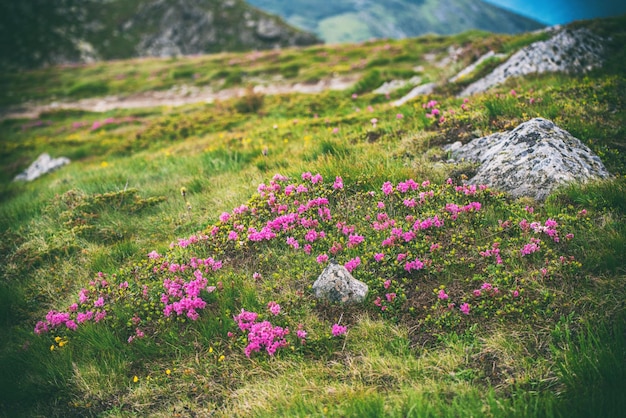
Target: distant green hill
[358, 20]
[41, 32]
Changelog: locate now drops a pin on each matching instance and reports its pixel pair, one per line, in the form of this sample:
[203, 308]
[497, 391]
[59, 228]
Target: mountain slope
[358, 20]
[76, 31]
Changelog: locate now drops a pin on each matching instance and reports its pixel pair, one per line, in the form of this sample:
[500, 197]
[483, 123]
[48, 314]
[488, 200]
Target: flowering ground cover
[167, 270]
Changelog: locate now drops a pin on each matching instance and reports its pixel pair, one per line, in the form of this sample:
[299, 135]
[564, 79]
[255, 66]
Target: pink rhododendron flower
[465, 308]
[387, 188]
[274, 308]
[352, 264]
[338, 330]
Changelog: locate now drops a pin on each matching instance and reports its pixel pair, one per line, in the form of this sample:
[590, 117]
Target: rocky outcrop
[417, 91]
[569, 51]
[42, 165]
[532, 160]
[393, 85]
[183, 27]
[471, 68]
[336, 284]
[71, 31]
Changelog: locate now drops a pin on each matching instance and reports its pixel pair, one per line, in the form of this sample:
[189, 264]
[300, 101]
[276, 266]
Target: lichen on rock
[532, 160]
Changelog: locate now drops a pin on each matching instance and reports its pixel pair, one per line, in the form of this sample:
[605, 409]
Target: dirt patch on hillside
[177, 96]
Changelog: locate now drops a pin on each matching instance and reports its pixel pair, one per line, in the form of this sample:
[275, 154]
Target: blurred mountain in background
[42, 32]
[359, 20]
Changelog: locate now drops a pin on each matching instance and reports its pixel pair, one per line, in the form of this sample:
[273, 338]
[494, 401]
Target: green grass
[143, 179]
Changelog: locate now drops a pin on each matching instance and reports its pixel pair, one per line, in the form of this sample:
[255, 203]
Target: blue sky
[554, 12]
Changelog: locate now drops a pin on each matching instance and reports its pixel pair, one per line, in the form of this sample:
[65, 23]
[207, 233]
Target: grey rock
[470, 68]
[336, 284]
[42, 165]
[568, 51]
[417, 91]
[393, 85]
[268, 29]
[532, 160]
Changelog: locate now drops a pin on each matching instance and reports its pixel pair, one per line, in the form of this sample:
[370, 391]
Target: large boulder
[336, 284]
[42, 165]
[532, 160]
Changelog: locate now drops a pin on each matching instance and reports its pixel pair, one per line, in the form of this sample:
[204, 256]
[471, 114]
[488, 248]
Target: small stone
[42, 165]
[336, 284]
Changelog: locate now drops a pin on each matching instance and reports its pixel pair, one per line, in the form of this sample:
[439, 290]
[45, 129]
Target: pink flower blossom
[322, 258]
[442, 295]
[465, 308]
[274, 308]
[338, 330]
[354, 240]
[379, 256]
[338, 184]
[352, 264]
[387, 188]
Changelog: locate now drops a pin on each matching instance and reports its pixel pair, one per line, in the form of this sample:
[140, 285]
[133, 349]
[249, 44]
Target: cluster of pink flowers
[548, 228]
[494, 251]
[108, 121]
[183, 298]
[486, 288]
[92, 302]
[263, 334]
[454, 209]
[185, 242]
[414, 265]
[532, 247]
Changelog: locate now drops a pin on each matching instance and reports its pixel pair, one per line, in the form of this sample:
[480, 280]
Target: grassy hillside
[159, 272]
[356, 21]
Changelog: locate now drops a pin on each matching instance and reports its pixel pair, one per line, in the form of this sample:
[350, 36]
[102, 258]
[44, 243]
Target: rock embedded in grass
[336, 284]
[42, 165]
[532, 160]
[569, 51]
